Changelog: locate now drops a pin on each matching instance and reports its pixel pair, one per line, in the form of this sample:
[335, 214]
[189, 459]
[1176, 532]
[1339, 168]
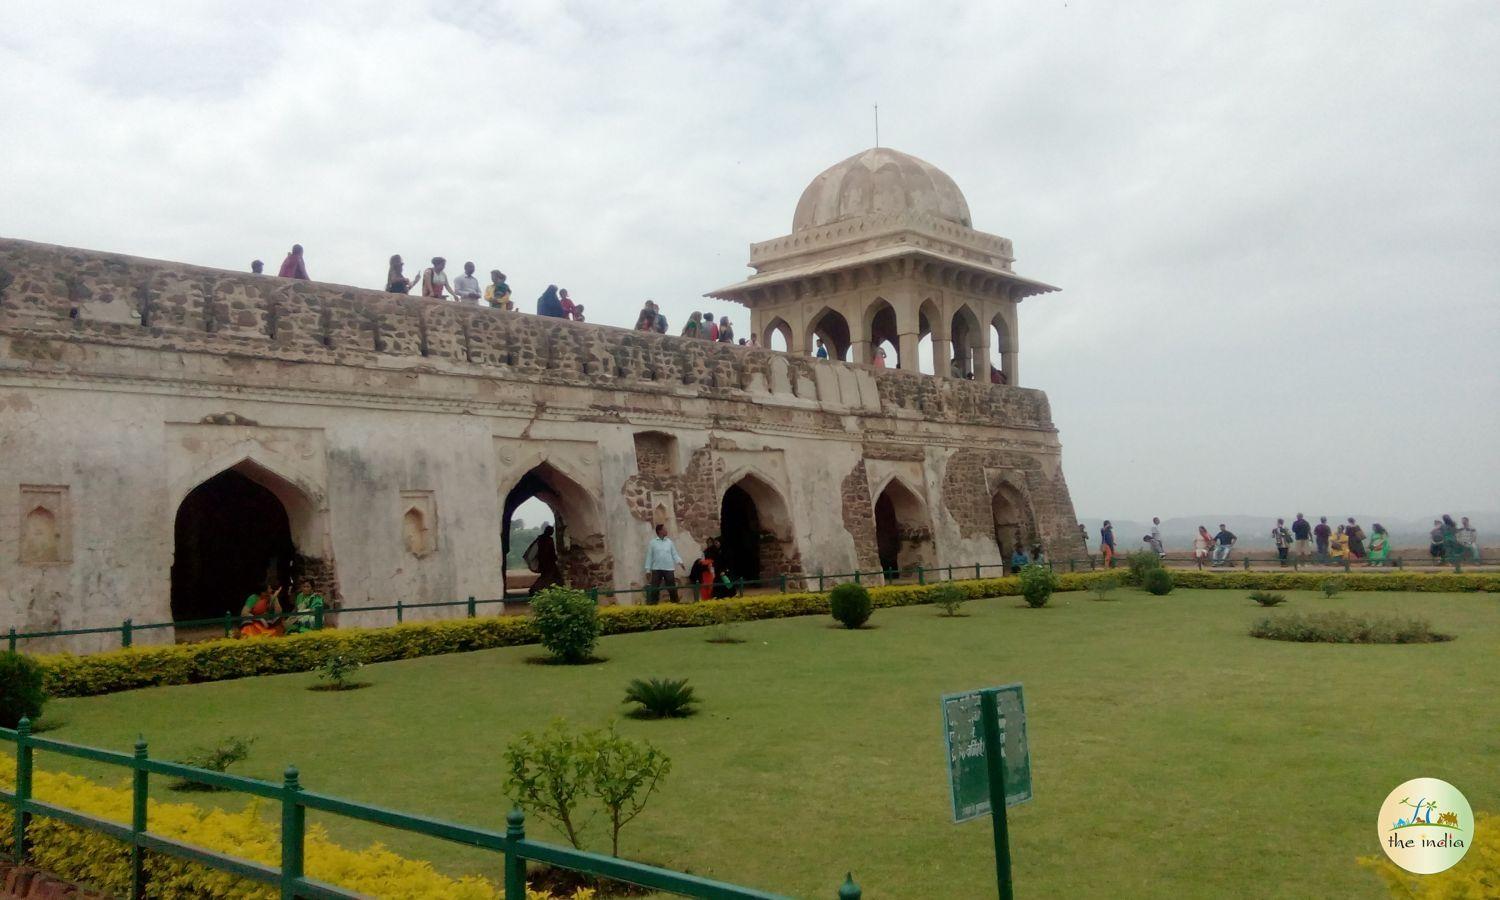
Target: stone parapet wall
[89, 296]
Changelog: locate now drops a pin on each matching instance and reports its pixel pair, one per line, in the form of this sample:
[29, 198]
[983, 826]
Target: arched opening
[903, 534]
[1014, 525]
[233, 537]
[777, 336]
[832, 329]
[1002, 351]
[569, 549]
[880, 325]
[754, 532]
[928, 322]
[968, 340]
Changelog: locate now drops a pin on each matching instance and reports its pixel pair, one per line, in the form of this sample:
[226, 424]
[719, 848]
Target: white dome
[880, 180]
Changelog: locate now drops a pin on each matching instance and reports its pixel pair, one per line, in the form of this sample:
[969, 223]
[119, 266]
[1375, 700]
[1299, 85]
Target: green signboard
[968, 773]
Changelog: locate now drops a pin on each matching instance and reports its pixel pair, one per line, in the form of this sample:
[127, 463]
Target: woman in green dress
[1380, 546]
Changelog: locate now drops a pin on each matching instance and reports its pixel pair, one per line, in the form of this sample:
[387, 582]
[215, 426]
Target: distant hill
[1255, 531]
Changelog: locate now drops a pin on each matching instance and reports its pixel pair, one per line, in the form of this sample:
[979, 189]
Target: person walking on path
[662, 563]
[541, 558]
[1301, 532]
[1380, 545]
[466, 286]
[1154, 539]
[702, 575]
[1468, 539]
[1282, 537]
[1107, 544]
[1225, 540]
[1356, 536]
[1321, 532]
[294, 266]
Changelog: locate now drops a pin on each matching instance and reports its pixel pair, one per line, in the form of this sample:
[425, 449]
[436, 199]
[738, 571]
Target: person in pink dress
[294, 266]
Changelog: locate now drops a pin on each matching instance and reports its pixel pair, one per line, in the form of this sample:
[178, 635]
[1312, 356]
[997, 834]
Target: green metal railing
[515, 848]
[784, 583]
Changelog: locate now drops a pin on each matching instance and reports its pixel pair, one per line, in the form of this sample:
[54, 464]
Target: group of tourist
[1450, 541]
[708, 578]
[265, 613]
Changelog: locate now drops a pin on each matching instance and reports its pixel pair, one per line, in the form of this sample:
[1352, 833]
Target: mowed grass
[1173, 755]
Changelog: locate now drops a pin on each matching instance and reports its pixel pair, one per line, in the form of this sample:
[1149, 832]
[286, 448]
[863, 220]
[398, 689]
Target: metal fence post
[594, 595]
[1072, 565]
[950, 573]
[23, 788]
[856, 576]
[228, 628]
[977, 576]
[472, 610]
[921, 576]
[515, 864]
[318, 619]
[1346, 563]
[783, 583]
[125, 636]
[293, 820]
[11, 640]
[849, 890]
[399, 615]
[820, 582]
[139, 792]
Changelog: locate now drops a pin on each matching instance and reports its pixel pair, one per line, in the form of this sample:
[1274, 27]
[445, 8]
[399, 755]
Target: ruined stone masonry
[172, 436]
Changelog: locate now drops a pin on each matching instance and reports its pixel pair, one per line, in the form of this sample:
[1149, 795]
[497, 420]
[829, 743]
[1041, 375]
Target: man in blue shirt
[822, 350]
[662, 562]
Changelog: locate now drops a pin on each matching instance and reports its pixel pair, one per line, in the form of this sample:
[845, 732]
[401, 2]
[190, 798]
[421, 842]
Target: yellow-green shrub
[120, 670]
[89, 857]
[1476, 877]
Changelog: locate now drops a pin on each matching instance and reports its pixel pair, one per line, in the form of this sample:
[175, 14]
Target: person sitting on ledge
[396, 281]
[578, 312]
[549, 304]
[294, 266]
[264, 606]
[309, 603]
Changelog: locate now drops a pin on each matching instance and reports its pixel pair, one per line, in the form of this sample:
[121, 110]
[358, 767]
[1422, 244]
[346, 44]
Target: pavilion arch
[968, 341]
[903, 528]
[777, 327]
[240, 530]
[1014, 520]
[1003, 347]
[578, 523]
[932, 336]
[756, 541]
[829, 326]
[881, 329]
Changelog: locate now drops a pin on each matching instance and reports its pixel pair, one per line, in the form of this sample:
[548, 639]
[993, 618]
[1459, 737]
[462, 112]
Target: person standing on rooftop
[257, 267]
[435, 280]
[498, 292]
[294, 266]
[709, 329]
[1322, 533]
[396, 281]
[566, 302]
[548, 304]
[726, 331]
[1301, 532]
[466, 286]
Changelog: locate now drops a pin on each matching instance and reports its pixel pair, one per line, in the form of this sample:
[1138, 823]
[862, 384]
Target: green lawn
[1172, 754]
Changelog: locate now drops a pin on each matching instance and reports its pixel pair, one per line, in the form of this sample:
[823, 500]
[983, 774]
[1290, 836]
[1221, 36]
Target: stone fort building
[172, 434]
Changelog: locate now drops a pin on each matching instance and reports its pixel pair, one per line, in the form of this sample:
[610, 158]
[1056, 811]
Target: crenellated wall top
[90, 296]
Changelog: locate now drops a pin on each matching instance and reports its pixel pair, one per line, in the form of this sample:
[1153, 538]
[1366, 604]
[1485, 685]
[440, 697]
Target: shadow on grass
[349, 686]
[557, 661]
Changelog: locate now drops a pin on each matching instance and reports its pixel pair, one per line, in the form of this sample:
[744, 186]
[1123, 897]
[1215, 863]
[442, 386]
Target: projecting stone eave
[740, 292]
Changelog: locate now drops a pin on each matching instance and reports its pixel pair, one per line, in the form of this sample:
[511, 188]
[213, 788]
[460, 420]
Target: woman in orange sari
[265, 606]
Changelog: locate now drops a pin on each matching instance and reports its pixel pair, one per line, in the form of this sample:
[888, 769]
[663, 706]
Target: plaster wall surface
[125, 383]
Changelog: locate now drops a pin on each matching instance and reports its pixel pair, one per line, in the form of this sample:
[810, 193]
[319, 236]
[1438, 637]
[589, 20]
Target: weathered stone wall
[125, 383]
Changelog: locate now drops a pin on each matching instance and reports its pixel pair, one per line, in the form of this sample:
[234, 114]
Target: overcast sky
[1275, 225]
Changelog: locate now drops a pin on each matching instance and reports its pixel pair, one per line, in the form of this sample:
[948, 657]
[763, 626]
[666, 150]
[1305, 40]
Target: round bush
[850, 605]
[567, 622]
[1037, 585]
[1158, 581]
[21, 694]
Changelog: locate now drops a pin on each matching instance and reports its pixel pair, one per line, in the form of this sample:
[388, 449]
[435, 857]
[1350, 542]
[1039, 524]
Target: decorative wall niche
[46, 525]
[656, 453]
[419, 525]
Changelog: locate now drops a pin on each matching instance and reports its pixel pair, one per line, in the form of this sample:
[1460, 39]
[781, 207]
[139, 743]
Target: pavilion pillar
[1008, 363]
[942, 357]
[906, 351]
[861, 352]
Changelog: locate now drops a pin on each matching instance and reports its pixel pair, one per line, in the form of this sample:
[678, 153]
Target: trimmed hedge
[68, 675]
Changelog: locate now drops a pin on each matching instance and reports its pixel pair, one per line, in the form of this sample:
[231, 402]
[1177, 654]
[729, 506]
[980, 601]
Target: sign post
[989, 763]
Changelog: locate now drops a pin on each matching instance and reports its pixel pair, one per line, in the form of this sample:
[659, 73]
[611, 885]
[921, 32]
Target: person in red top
[710, 329]
[294, 266]
[567, 303]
